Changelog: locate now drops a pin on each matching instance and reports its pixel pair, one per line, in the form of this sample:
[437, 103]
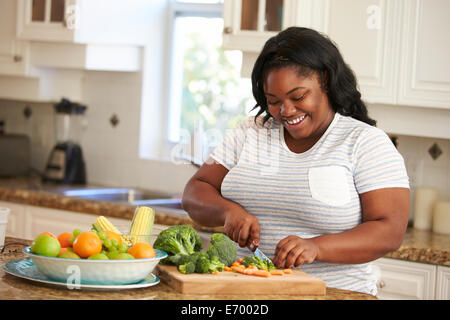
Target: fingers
[286, 253]
[243, 234]
[242, 227]
[254, 234]
[294, 250]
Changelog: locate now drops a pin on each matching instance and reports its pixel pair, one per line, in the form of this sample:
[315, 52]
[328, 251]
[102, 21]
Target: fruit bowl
[85, 271]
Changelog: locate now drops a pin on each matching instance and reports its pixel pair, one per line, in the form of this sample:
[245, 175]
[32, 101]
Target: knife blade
[258, 253]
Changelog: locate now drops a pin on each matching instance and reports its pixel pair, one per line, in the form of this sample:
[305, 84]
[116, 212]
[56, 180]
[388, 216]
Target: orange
[64, 250]
[142, 250]
[63, 239]
[49, 234]
[86, 244]
[113, 235]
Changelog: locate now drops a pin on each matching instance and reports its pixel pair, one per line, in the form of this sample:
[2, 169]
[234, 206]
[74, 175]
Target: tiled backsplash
[112, 152]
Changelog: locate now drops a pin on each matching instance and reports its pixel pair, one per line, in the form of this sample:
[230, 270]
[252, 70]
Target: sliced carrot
[261, 273]
[249, 271]
[277, 272]
[288, 271]
[216, 272]
[252, 267]
[238, 269]
[240, 260]
[235, 263]
[227, 269]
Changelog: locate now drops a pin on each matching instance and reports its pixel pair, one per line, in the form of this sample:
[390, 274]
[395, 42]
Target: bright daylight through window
[207, 94]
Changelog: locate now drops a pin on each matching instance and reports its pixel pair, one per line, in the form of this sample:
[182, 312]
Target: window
[206, 93]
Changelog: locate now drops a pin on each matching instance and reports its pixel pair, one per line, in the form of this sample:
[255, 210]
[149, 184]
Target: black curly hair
[309, 52]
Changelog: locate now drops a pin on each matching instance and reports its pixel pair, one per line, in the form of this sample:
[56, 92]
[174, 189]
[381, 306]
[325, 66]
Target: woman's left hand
[294, 250]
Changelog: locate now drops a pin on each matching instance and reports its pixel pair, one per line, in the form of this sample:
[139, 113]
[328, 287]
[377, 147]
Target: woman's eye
[272, 102]
[299, 98]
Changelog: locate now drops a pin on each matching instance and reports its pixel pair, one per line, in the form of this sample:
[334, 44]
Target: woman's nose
[287, 109]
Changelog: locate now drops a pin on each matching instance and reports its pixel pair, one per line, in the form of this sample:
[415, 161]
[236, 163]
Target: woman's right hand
[242, 227]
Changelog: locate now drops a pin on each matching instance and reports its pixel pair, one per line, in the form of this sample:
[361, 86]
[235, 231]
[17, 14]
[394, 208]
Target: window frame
[182, 9]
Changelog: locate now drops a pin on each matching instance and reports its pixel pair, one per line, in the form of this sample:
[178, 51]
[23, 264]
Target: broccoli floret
[260, 264]
[215, 264]
[222, 247]
[180, 239]
[188, 263]
[187, 268]
[202, 265]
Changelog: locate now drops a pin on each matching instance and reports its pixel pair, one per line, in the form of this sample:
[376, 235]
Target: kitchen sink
[125, 195]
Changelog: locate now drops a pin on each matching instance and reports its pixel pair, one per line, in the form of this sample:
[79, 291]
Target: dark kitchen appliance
[66, 164]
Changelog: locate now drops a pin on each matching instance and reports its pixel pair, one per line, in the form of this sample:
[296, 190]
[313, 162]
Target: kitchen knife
[258, 253]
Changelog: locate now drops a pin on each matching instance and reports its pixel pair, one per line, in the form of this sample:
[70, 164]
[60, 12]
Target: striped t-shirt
[311, 193]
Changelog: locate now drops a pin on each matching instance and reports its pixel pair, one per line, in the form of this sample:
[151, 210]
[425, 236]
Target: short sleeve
[377, 163]
[227, 153]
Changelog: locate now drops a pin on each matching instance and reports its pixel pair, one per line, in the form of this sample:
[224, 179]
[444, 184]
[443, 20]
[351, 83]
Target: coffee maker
[66, 164]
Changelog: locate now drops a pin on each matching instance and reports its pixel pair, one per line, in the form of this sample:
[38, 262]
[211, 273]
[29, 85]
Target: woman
[310, 179]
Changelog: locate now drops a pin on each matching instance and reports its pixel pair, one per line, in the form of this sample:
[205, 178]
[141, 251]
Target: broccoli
[188, 263]
[223, 248]
[260, 264]
[178, 240]
[187, 268]
[215, 264]
[199, 262]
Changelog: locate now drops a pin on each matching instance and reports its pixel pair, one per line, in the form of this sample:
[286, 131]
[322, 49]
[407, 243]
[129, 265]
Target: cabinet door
[425, 67]
[366, 33]
[443, 283]
[248, 24]
[16, 219]
[406, 280]
[13, 53]
[51, 20]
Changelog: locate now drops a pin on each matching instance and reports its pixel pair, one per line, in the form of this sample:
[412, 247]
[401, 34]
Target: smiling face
[300, 105]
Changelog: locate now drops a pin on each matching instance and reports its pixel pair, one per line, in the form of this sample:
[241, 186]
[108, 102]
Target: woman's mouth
[296, 122]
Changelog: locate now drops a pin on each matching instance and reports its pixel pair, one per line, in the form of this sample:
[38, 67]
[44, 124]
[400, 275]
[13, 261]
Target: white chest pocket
[329, 185]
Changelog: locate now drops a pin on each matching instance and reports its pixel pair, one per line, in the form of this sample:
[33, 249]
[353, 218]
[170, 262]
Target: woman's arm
[384, 223]
[205, 205]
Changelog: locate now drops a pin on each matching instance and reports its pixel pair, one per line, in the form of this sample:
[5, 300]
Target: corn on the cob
[141, 225]
[103, 224]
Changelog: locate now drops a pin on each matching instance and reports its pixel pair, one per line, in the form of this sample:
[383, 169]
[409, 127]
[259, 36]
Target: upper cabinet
[424, 65]
[85, 21]
[367, 35]
[248, 24]
[397, 48]
[13, 53]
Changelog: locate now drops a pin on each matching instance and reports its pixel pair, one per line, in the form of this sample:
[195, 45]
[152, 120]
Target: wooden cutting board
[226, 282]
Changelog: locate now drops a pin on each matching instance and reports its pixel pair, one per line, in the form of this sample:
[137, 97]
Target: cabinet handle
[17, 58]
[227, 30]
[381, 284]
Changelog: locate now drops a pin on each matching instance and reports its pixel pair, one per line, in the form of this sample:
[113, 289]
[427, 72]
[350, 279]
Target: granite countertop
[418, 245]
[14, 288]
[32, 191]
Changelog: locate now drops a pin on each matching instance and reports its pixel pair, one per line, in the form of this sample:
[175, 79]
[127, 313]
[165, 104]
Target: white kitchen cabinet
[249, 24]
[443, 283]
[396, 48]
[85, 21]
[13, 52]
[424, 66]
[41, 219]
[406, 280]
[367, 35]
[16, 220]
[27, 222]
